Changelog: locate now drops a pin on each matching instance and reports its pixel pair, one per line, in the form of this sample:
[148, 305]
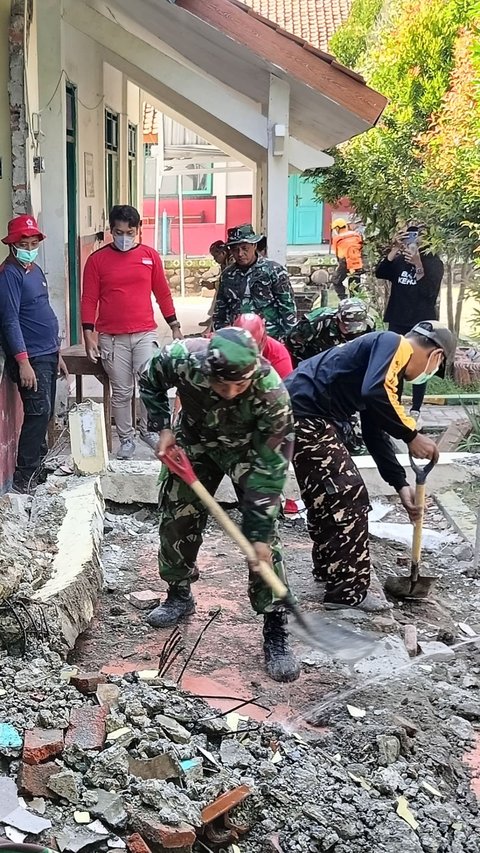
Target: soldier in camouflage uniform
[235, 419]
[254, 285]
[324, 328]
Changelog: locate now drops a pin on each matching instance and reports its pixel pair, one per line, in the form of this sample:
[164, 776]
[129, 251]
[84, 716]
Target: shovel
[414, 586]
[344, 643]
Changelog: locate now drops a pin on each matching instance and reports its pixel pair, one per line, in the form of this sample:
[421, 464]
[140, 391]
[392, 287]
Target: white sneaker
[417, 418]
[126, 449]
[150, 438]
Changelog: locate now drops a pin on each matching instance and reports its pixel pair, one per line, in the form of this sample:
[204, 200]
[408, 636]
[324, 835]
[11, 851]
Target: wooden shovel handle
[268, 575]
[418, 527]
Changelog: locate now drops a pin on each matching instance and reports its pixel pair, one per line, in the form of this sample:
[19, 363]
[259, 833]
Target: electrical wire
[63, 74]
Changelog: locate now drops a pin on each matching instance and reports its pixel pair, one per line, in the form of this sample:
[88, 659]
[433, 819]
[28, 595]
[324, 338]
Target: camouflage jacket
[254, 431]
[263, 288]
[315, 333]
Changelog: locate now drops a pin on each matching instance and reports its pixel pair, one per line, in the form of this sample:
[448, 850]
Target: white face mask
[124, 242]
[427, 374]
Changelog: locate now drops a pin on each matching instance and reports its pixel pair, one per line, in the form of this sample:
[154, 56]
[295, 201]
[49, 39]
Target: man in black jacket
[415, 277]
[363, 375]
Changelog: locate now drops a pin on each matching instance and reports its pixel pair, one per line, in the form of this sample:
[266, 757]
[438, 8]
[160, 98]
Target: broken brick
[145, 823]
[225, 802]
[87, 682]
[410, 639]
[144, 599]
[136, 844]
[41, 744]
[33, 779]
[87, 727]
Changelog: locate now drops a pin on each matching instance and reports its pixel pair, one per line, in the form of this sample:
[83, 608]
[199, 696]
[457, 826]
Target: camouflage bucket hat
[232, 355]
[242, 234]
[354, 315]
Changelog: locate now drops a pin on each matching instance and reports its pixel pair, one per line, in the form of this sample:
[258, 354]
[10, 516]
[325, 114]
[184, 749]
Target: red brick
[87, 682]
[41, 744]
[136, 844]
[166, 837]
[33, 779]
[225, 802]
[87, 727]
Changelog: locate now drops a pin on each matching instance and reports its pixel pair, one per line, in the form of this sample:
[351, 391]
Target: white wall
[84, 66]
[239, 183]
[5, 137]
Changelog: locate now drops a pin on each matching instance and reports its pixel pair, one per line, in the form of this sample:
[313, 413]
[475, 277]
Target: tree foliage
[349, 43]
[421, 160]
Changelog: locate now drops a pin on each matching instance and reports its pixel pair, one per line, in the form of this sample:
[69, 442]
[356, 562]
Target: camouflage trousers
[183, 518]
[337, 510]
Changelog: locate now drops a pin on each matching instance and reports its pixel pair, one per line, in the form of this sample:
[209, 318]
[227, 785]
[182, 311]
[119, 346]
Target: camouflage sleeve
[155, 380]
[284, 298]
[272, 450]
[219, 318]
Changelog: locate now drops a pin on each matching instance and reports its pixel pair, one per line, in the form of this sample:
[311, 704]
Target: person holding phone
[415, 276]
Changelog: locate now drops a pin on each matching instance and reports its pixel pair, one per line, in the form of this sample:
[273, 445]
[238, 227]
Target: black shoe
[280, 661]
[178, 604]
[319, 574]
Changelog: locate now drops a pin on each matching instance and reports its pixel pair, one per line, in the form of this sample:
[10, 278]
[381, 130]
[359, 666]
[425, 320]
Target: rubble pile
[105, 763]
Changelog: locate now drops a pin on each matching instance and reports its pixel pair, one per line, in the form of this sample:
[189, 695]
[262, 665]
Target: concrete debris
[160, 767]
[26, 821]
[65, 785]
[109, 807]
[10, 740]
[460, 727]
[144, 599]
[436, 651]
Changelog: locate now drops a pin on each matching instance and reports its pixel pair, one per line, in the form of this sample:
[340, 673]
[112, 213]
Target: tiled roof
[312, 20]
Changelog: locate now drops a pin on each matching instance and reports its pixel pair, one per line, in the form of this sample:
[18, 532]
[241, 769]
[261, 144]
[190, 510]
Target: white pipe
[181, 235]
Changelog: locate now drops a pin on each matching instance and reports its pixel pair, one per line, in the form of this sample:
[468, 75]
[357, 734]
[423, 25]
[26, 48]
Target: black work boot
[280, 660]
[178, 604]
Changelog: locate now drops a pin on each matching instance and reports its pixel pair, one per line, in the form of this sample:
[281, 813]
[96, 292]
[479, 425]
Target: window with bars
[132, 164]
[112, 182]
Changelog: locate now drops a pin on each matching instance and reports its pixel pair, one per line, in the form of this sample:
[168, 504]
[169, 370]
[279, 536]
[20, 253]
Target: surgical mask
[124, 242]
[25, 256]
[426, 375]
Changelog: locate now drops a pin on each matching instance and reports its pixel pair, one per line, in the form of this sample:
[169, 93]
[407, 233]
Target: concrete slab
[136, 481]
[75, 581]
[458, 514]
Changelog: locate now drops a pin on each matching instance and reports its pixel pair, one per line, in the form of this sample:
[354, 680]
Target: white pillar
[277, 169]
[53, 213]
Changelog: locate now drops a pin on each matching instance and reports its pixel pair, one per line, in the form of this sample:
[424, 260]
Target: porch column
[53, 209]
[277, 169]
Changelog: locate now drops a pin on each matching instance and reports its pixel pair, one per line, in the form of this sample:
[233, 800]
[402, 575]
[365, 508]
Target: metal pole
[164, 233]
[181, 240]
[476, 556]
[157, 200]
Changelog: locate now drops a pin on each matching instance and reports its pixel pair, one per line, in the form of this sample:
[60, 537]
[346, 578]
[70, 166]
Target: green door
[305, 213]
[72, 229]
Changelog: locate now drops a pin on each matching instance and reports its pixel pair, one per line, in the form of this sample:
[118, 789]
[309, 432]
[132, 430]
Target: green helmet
[232, 355]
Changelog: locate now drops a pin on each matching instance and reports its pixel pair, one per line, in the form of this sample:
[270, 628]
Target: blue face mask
[124, 242]
[25, 256]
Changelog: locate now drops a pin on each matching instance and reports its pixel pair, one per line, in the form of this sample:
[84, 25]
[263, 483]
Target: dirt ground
[229, 660]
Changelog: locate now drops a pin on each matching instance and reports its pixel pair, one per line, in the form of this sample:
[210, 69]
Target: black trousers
[38, 409]
[418, 391]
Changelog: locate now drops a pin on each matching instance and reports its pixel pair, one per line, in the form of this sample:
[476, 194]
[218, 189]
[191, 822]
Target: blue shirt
[27, 320]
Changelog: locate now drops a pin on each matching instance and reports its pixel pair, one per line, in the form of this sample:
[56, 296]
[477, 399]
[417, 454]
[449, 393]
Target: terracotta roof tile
[312, 20]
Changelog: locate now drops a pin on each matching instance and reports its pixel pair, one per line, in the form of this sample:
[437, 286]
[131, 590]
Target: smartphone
[410, 238]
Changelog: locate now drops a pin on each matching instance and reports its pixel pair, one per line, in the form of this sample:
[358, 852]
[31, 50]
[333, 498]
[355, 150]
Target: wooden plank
[454, 435]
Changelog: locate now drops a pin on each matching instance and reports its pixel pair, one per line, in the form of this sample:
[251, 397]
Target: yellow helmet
[339, 223]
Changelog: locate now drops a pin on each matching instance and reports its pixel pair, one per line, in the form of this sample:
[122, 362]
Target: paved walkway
[442, 416]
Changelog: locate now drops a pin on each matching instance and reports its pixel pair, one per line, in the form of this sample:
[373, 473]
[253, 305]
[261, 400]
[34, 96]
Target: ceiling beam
[196, 92]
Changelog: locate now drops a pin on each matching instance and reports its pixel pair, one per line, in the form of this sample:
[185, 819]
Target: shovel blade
[329, 636]
[408, 588]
